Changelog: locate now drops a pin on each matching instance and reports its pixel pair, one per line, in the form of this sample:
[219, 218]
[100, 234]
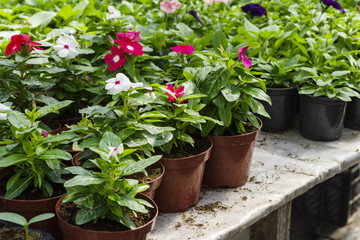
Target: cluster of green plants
[144, 79]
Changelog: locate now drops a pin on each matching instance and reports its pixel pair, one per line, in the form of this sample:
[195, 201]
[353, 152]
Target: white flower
[113, 13]
[150, 93]
[114, 151]
[119, 84]
[66, 46]
[3, 115]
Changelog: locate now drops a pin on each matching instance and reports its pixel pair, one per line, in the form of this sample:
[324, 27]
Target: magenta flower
[133, 36]
[247, 62]
[169, 6]
[185, 49]
[16, 44]
[173, 95]
[130, 47]
[116, 59]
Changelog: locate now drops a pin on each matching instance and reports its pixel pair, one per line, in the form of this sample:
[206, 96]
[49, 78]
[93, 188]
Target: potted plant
[14, 231]
[324, 89]
[185, 151]
[104, 203]
[323, 101]
[232, 97]
[278, 75]
[33, 160]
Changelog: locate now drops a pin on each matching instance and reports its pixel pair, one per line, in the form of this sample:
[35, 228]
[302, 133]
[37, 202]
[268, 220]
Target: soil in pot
[67, 211]
[18, 234]
[153, 179]
[181, 184]
[105, 229]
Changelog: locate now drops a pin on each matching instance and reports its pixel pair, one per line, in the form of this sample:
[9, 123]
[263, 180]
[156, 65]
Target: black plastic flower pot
[282, 111]
[352, 116]
[321, 118]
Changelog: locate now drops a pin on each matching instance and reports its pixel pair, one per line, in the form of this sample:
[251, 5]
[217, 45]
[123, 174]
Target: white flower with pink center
[113, 13]
[66, 46]
[114, 151]
[119, 84]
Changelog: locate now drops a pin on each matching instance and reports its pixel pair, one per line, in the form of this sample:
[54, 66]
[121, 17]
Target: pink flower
[116, 59]
[247, 62]
[169, 6]
[17, 41]
[130, 47]
[173, 95]
[185, 49]
[133, 36]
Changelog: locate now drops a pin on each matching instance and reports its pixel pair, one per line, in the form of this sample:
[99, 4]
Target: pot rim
[35, 200]
[59, 202]
[192, 156]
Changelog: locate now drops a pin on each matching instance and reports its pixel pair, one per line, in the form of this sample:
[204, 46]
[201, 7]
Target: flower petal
[247, 62]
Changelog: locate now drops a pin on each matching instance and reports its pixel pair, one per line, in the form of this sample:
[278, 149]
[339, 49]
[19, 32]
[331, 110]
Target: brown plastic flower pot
[181, 184]
[72, 232]
[230, 160]
[31, 208]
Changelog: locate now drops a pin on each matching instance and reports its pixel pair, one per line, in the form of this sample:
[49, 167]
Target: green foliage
[33, 152]
[18, 219]
[107, 192]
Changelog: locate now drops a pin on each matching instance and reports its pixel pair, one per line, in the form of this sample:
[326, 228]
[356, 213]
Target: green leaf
[18, 120]
[251, 28]
[184, 30]
[18, 187]
[13, 217]
[153, 114]
[215, 82]
[85, 215]
[109, 139]
[131, 203]
[219, 40]
[257, 93]
[41, 217]
[13, 160]
[52, 108]
[153, 129]
[158, 139]
[225, 115]
[81, 180]
[55, 154]
[14, 178]
[231, 93]
[140, 165]
[41, 18]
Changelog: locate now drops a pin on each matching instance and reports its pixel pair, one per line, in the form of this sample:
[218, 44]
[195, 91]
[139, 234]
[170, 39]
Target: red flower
[171, 91]
[130, 47]
[133, 36]
[116, 59]
[185, 49]
[17, 41]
